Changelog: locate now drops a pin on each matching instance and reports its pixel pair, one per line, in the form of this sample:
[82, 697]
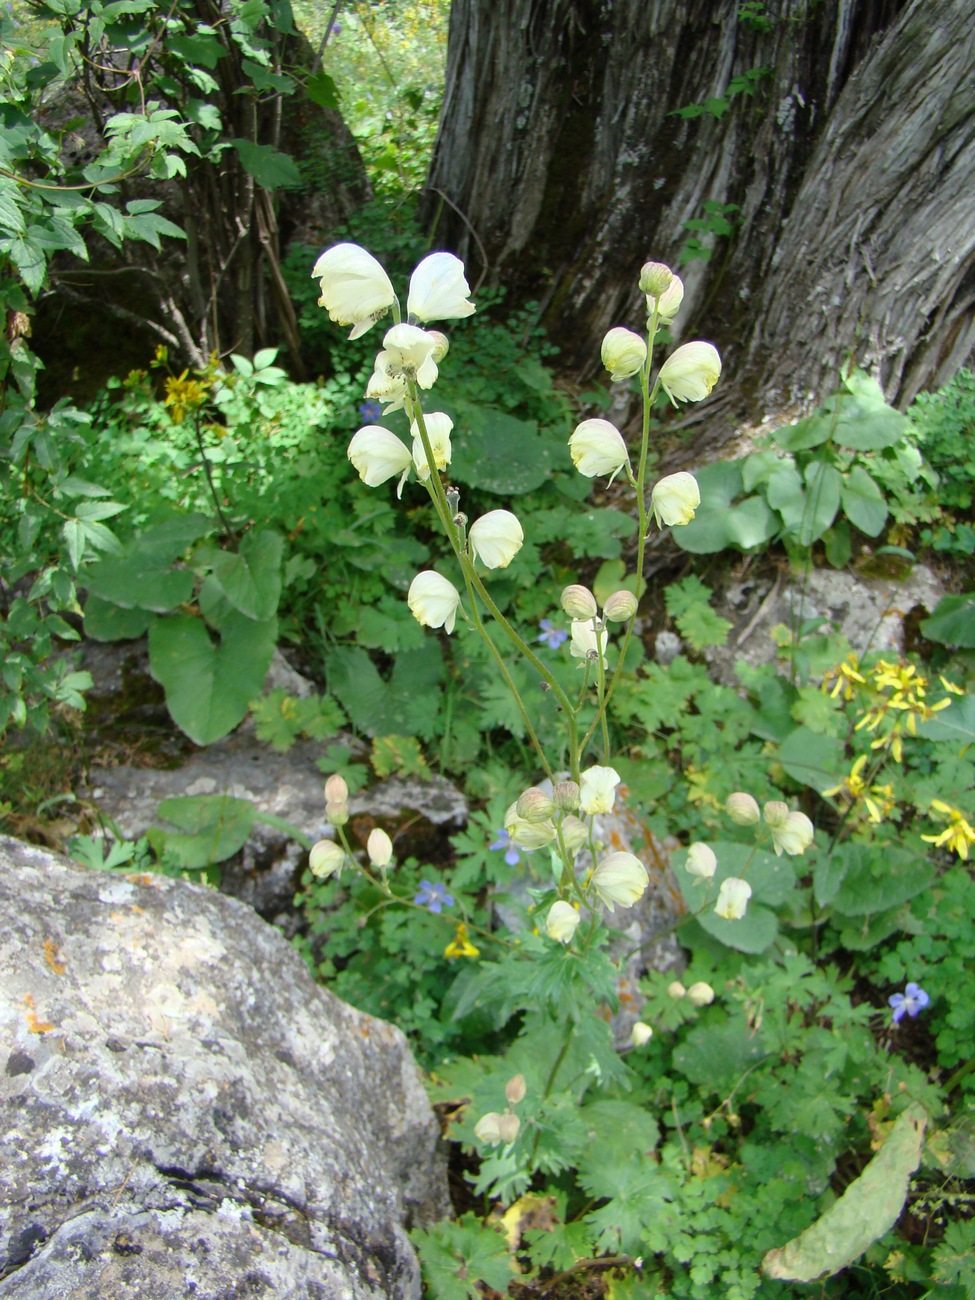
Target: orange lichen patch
[143, 878]
[35, 1026]
[616, 840]
[52, 955]
[626, 998]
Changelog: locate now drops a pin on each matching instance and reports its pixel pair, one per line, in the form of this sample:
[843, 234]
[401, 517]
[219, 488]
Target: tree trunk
[560, 167]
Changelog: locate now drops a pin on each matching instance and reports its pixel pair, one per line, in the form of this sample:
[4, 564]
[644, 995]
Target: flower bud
[508, 1126]
[528, 835]
[620, 606]
[561, 922]
[515, 1089]
[676, 990]
[337, 814]
[325, 859]
[488, 1129]
[640, 1034]
[668, 304]
[438, 426]
[379, 847]
[579, 602]
[575, 834]
[674, 499]
[534, 805]
[700, 994]
[655, 278]
[619, 880]
[566, 796]
[733, 898]
[742, 809]
[701, 861]
[623, 353]
[441, 346]
[336, 789]
[689, 374]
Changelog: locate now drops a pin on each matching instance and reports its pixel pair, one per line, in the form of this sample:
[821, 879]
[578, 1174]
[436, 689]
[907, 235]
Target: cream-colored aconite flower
[640, 1034]
[586, 641]
[379, 847]
[438, 426]
[336, 789]
[579, 602]
[326, 859]
[496, 538]
[561, 922]
[574, 833]
[668, 304]
[689, 374]
[701, 861]
[528, 834]
[700, 994]
[676, 989]
[488, 1129]
[356, 290]
[433, 600]
[623, 353]
[408, 353]
[439, 289]
[792, 832]
[535, 805]
[598, 790]
[515, 1089]
[674, 499]
[597, 447]
[733, 898]
[619, 880]
[742, 808]
[379, 455]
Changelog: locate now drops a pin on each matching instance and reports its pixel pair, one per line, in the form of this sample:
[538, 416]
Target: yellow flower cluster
[900, 703]
[958, 835]
[185, 395]
[877, 799]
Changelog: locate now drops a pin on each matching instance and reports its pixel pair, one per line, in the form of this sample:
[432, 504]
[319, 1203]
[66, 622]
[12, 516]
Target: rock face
[186, 1112]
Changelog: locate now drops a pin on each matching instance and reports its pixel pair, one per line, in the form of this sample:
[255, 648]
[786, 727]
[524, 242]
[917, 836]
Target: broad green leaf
[864, 421]
[209, 684]
[787, 494]
[863, 502]
[956, 723]
[271, 168]
[953, 622]
[210, 828]
[322, 90]
[106, 621]
[498, 453]
[140, 577]
[812, 759]
[717, 1055]
[823, 485]
[869, 1207]
[812, 431]
[719, 523]
[251, 579]
[200, 48]
[880, 877]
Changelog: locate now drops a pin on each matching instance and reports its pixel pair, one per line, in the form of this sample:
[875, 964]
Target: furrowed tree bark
[560, 164]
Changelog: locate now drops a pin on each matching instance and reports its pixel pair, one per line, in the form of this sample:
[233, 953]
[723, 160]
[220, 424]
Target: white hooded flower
[586, 641]
[733, 898]
[689, 374]
[598, 790]
[701, 994]
[620, 879]
[356, 290]
[409, 353]
[742, 808]
[528, 835]
[701, 861]
[488, 1129]
[640, 1034]
[561, 922]
[674, 499]
[623, 353]
[433, 600]
[668, 303]
[439, 289]
[496, 538]
[792, 832]
[325, 859]
[384, 388]
[597, 447]
[438, 426]
[379, 455]
[379, 847]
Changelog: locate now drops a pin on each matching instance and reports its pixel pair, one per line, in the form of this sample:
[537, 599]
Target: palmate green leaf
[560, 1246]
[868, 1208]
[209, 684]
[455, 1257]
[638, 1192]
[716, 1056]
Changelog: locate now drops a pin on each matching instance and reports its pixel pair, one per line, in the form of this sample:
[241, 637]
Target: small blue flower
[551, 635]
[512, 852]
[908, 1003]
[433, 895]
[371, 411]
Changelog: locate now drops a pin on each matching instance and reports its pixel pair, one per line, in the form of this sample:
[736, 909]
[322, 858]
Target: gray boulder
[186, 1113]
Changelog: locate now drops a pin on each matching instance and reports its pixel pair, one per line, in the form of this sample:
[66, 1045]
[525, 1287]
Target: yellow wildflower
[184, 395]
[958, 835]
[877, 799]
[460, 945]
[845, 678]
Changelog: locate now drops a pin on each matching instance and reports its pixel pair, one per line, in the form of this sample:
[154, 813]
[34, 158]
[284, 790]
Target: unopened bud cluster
[495, 1129]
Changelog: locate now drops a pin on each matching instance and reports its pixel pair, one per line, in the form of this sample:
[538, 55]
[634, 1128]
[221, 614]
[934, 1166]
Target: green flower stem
[640, 484]
[550, 1084]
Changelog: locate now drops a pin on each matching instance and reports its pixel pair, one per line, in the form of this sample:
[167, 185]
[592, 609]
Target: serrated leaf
[457, 1257]
[869, 1207]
